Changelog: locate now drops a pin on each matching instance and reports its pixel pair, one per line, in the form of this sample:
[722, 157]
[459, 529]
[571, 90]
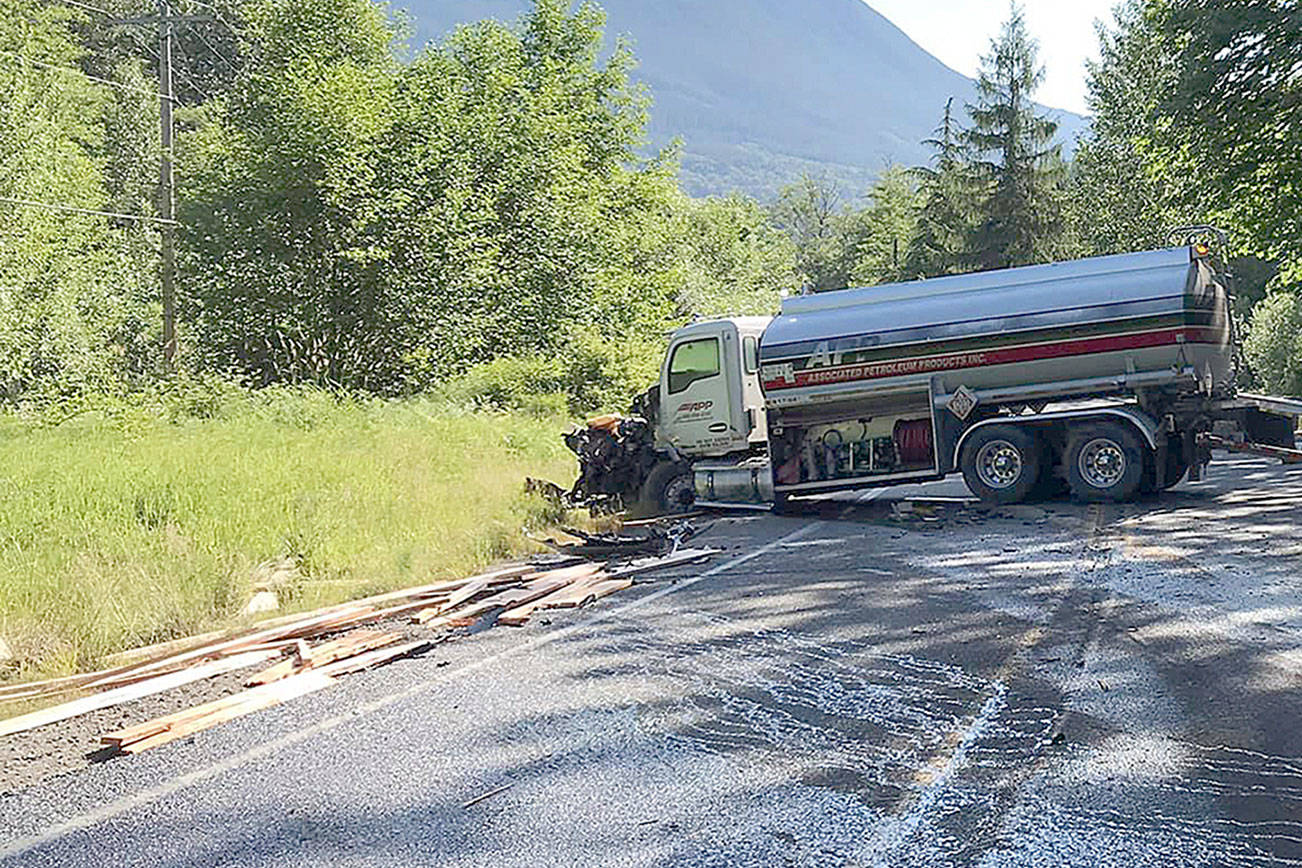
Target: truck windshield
[692, 361]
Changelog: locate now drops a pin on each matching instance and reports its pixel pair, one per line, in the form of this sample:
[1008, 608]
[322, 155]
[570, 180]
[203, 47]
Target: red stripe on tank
[1009, 355]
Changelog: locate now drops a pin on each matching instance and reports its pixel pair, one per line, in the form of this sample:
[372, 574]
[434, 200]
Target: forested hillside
[761, 91]
[482, 216]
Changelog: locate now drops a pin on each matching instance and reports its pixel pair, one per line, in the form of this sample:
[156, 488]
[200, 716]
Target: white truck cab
[710, 403]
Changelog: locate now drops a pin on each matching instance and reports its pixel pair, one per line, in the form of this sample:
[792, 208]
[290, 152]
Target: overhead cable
[72, 70]
[32, 203]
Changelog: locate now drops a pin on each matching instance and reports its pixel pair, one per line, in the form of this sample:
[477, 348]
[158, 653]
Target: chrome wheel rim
[1102, 463]
[999, 464]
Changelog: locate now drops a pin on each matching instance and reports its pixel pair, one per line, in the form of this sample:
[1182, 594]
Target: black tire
[1002, 463]
[781, 503]
[1105, 462]
[668, 490]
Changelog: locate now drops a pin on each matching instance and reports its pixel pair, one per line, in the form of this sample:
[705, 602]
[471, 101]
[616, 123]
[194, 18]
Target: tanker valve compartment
[852, 449]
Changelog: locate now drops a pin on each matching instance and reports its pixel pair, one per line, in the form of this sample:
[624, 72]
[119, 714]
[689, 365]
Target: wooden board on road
[109, 698]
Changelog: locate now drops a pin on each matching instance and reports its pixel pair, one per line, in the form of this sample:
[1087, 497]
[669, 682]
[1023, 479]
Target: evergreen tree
[946, 190]
[1020, 219]
[889, 225]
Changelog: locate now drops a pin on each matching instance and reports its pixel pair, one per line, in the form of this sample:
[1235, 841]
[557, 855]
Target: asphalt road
[1040, 685]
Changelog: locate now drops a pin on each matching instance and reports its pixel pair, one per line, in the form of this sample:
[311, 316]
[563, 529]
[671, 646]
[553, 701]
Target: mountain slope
[761, 90]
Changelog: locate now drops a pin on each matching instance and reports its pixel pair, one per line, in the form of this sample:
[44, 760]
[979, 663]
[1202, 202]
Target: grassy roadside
[134, 524]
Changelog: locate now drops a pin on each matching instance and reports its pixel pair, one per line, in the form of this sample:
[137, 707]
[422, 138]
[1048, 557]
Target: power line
[86, 6]
[208, 45]
[148, 49]
[31, 203]
[217, 16]
[72, 70]
[185, 76]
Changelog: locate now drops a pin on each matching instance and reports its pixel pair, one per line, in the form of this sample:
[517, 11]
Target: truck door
[702, 382]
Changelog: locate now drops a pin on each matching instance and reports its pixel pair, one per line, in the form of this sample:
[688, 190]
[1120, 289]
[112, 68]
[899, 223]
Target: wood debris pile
[662, 536]
[513, 594]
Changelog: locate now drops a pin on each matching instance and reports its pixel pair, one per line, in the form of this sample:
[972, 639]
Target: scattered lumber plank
[519, 590]
[137, 675]
[521, 600]
[580, 593]
[543, 584]
[153, 733]
[109, 698]
[152, 665]
[589, 593]
[155, 659]
[576, 590]
[501, 600]
[356, 642]
[134, 656]
[604, 589]
[569, 597]
[647, 522]
[428, 591]
[576, 595]
[488, 795]
[302, 628]
[60, 685]
[382, 614]
[644, 565]
[220, 711]
[464, 595]
[281, 646]
[374, 658]
[140, 731]
[505, 574]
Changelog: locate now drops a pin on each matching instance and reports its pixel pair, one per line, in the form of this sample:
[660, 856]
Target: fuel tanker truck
[1105, 377]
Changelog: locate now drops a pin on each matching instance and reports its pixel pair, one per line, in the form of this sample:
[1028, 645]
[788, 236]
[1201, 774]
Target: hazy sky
[959, 32]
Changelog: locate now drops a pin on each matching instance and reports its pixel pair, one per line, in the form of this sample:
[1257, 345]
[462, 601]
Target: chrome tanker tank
[1163, 310]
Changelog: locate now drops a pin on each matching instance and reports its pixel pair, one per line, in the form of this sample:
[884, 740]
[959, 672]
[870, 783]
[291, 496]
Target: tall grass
[131, 522]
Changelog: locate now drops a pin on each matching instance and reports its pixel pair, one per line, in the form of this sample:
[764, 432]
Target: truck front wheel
[1001, 464]
[1105, 462]
[670, 489]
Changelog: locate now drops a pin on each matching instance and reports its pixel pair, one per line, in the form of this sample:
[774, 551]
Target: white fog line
[146, 797]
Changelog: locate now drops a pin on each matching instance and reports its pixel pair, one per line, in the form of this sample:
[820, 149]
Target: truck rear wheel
[1105, 462]
[1001, 464]
[670, 489]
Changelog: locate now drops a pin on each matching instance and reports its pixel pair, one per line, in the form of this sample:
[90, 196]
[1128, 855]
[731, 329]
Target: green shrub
[591, 374]
[1274, 343]
[529, 384]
